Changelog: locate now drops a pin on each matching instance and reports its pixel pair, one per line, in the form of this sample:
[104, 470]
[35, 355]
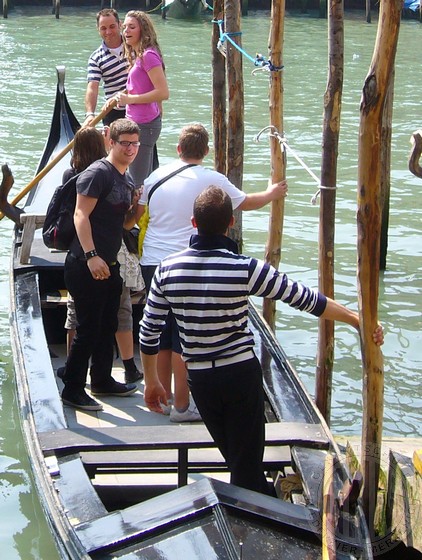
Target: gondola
[124, 482]
[185, 9]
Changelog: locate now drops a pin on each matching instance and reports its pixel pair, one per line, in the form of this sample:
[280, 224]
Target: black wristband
[90, 254]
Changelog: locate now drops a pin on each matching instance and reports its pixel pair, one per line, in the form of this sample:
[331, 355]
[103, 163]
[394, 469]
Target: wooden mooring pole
[330, 140]
[219, 94]
[5, 8]
[235, 127]
[369, 225]
[278, 157]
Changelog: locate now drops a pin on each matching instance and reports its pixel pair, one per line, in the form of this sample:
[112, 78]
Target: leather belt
[219, 362]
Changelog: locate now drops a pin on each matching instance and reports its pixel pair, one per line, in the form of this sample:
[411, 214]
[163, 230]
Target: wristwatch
[91, 254]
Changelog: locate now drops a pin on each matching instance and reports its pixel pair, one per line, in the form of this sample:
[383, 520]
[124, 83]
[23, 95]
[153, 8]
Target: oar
[328, 511]
[58, 157]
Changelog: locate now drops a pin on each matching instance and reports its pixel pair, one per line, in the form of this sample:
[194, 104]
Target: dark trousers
[231, 402]
[96, 304]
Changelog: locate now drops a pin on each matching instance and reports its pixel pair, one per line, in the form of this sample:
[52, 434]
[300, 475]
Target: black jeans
[96, 304]
[231, 402]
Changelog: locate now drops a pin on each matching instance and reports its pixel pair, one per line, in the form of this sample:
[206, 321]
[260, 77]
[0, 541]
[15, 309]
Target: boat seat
[166, 460]
[179, 437]
[30, 222]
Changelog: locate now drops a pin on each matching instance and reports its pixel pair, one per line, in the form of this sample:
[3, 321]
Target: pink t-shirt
[138, 82]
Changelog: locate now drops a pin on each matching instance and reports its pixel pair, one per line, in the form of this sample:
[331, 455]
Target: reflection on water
[32, 43]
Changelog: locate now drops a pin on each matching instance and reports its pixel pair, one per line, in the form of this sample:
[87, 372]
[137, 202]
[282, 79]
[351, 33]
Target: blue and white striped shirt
[113, 70]
[207, 287]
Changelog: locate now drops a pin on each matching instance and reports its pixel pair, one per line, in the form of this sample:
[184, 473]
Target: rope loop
[274, 133]
[259, 61]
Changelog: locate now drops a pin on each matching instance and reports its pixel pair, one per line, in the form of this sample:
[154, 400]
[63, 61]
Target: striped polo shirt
[207, 287]
[111, 69]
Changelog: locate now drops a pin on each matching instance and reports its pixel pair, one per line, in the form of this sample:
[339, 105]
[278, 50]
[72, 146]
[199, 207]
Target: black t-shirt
[113, 190]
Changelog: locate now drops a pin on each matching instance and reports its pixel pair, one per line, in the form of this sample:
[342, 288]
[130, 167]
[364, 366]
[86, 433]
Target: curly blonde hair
[148, 37]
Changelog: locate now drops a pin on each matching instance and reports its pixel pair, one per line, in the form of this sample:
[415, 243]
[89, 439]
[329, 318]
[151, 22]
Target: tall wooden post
[235, 129]
[219, 93]
[369, 224]
[330, 138]
[368, 11]
[56, 8]
[385, 171]
[278, 158]
[5, 8]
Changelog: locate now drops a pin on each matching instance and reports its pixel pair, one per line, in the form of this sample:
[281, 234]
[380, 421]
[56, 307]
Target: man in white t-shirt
[169, 229]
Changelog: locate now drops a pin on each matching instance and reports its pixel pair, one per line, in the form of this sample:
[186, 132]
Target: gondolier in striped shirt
[107, 63]
[207, 287]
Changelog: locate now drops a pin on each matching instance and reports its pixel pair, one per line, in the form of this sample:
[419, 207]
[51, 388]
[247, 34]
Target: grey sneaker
[191, 414]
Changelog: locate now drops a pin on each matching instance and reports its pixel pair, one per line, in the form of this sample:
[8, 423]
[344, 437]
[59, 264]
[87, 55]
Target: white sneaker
[166, 408]
[191, 414]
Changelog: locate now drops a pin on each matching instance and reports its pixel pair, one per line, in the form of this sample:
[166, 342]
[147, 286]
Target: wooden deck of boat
[130, 451]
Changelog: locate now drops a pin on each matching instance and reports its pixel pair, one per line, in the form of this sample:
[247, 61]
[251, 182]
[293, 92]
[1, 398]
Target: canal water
[33, 42]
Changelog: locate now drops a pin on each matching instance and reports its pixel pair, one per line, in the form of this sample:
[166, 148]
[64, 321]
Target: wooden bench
[30, 222]
[179, 437]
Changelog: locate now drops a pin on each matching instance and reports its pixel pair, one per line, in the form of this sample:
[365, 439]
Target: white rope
[273, 132]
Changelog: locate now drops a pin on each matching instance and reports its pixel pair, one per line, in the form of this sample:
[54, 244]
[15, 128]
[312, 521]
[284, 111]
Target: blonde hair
[148, 37]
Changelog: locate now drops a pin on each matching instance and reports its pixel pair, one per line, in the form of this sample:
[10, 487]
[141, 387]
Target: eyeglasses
[127, 143]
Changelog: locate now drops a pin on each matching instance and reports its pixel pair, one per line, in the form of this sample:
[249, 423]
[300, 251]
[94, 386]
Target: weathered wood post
[5, 8]
[57, 8]
[330, 139]
[368, 225]
[368, 11]
[385, 171]
[278, 158]
[219, 93]
[235, 128]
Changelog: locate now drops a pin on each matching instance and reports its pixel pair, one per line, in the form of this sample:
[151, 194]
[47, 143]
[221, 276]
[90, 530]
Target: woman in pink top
[146, 88]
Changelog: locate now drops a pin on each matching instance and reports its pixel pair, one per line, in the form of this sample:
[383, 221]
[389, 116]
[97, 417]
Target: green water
[32, 43]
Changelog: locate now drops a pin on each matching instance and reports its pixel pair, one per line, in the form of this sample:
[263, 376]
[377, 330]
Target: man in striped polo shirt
[207, 287]
[108, 64]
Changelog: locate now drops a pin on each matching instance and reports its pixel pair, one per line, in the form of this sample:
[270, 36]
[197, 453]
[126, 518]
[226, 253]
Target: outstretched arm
[254, 201]
[335, 311]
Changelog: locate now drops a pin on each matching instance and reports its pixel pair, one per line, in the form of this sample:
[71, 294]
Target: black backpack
[59, 230]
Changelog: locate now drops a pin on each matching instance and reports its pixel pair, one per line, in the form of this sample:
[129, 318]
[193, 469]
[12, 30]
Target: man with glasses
[106, 202]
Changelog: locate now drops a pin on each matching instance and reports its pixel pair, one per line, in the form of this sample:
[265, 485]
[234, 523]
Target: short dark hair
[193, 141]
[123, 126]
[107, 12]
[212, 211]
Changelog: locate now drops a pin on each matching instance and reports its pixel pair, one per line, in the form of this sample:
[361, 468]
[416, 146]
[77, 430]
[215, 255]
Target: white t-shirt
[171, 207]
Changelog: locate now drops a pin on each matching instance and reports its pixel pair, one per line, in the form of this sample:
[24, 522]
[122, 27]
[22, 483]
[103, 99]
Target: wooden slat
[30, 223]
[200, 460]
[310, 464]
[180, 437]
[72, 440]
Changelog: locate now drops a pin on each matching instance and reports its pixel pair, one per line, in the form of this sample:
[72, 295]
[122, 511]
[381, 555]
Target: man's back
[170, 208]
